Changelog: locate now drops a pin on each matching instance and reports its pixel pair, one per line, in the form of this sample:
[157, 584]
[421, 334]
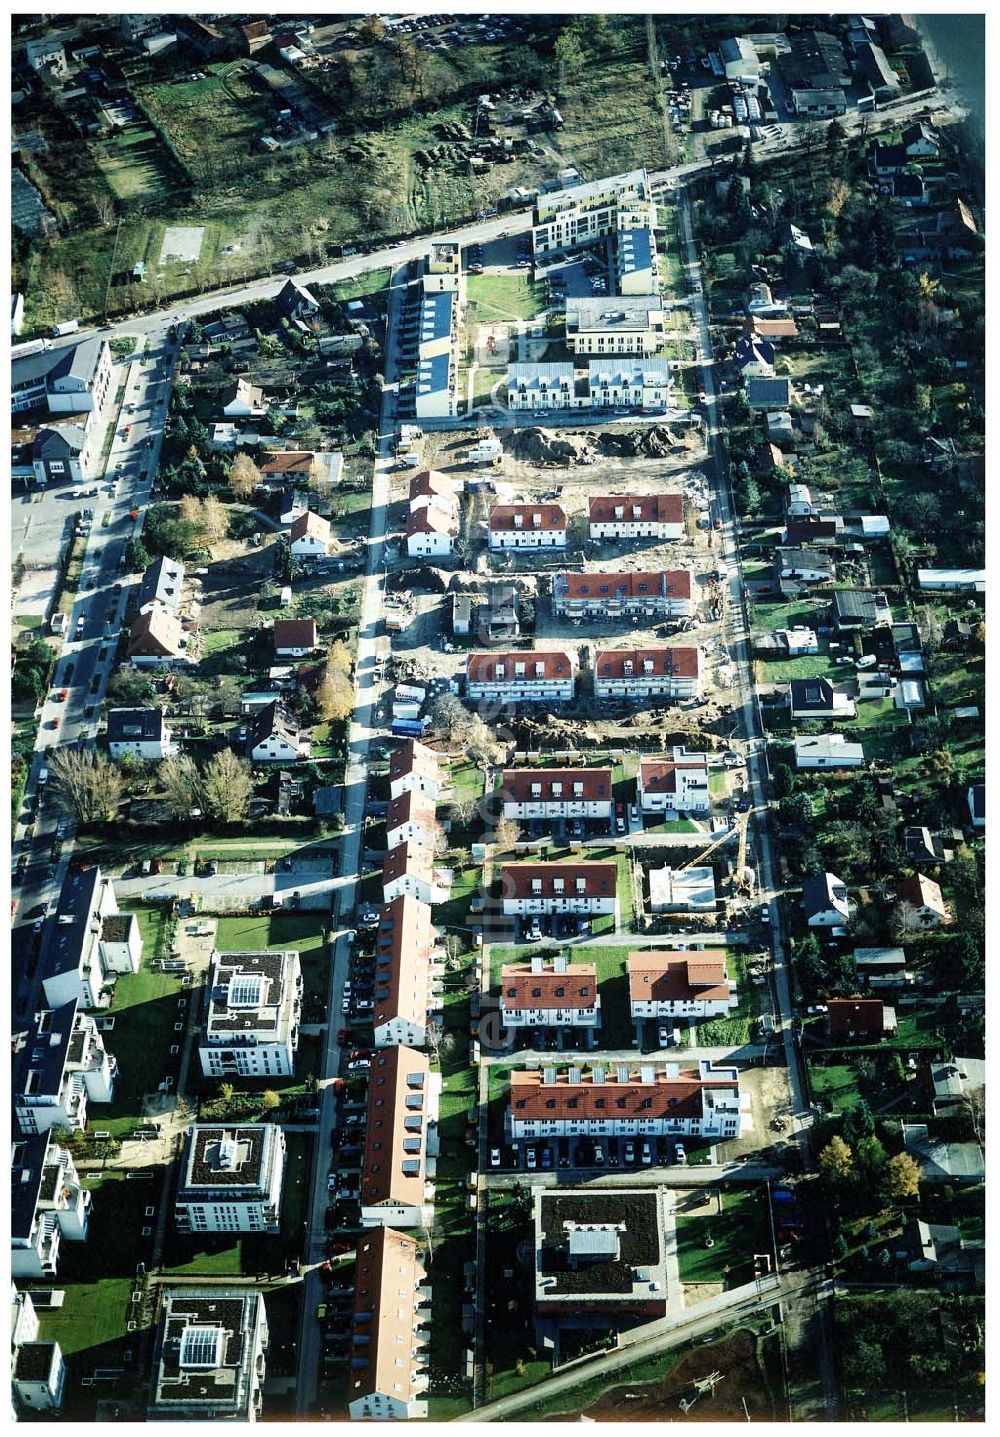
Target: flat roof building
[252, 1026]
[209, 1359]
[230, 1179]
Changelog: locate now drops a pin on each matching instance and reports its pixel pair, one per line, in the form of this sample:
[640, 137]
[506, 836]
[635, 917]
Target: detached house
[274, 737]
[923, 896]
[636, 516]
[673, 673]
[294, 301]
[582, 888]
[678, 784]
[527, 526]
[770, 394]
[549, 993]
[664, 594]
[754, 357]
[157, 640]
[825, 901]
[818, 699]
[806, 566]
[524, 676]
[667, 985]
[859, 1020]
[244, 400]
[294, 638]
[142, 732]
[557, 793]
[434, 519]
[162, 586]
[309, 537]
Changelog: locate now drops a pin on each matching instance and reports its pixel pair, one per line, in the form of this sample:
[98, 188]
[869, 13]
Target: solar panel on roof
[201, 1347]
[246, 990]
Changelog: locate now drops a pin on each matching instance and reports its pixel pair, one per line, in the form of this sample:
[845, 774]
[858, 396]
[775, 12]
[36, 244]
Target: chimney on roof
[536, 963]
[559, 963]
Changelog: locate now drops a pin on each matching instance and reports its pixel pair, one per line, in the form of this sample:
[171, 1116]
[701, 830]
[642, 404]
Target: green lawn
[306, 933]
[737, 1027]
[213, 121]
[809, 666]
[465, 781]
[362, 286]
[136, 165]
[455, 911]
[93, 1315]
[740, 1230]
[505, 298]
[836, 1085]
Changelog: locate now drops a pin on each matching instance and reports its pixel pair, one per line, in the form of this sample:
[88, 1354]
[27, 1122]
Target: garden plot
[182, 243]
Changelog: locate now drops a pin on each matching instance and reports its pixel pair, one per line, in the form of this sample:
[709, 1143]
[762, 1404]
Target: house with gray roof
[942, 1162]
[59, 1068]
[162, 586]
[768, 393]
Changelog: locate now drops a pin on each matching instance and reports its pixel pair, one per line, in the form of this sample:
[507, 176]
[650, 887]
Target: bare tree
[86, 785]
[192, 513]
[904, 920]
[506, 834]
[243, 477]
[227, 787]
[215, 518]
[181, 784]
[481, 744]
[451, 716]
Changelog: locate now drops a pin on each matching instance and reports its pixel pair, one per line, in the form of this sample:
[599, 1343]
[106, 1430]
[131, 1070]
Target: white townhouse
[528, 793]
[667, 985]
[549, 993]
[60, 1068]
[47, 1204]
[89, 944]
[615, 1101]
[647, 673]
[528, 526]
[541, 888]
[542, 386]
[636, 516]
[640, 384]
[230, 1179]
[142, 732]
[413, 767]
[251, 1028]
[631, 594]
[523, 676]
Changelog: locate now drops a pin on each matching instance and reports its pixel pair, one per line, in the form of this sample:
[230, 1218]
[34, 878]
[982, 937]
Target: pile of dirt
[653, 442]
[545, 448]
[423, 579]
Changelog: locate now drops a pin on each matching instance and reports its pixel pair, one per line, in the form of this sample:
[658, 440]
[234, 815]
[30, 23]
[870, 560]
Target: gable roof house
[157, 640]
[294, 638]
[557, 793]
[390, 1329]
[309, 537]
[641, 673]
[679, 783]
[414, 766]
[294, 300]
[754, 357]
[927, 908]
[679, 985]
[274, 737]
[923, 847]
[527, 526]
[410, 818]
[661, 593]
[577, 887]
[858, 609]
[400, 1136]
[772, 393]
[943, 1162]
[955, 1082]
[636, 516]
[142, 732]
[549, 993]
[404, 949]
[409, 869]
[162, 586]
[859, 1020]
[825, 901]
[522, 676]
[807, 566]
[244, 400]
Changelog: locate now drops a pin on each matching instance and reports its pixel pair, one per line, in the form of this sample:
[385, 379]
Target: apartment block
[603, 326]
[400, 1137]
[390, 1329]
[673, 673]
[252, 1026]
[209, 1361]
[584, 888]
[603, 596]
[524, 676]
[636, 516]
[47, 1204]
[62, 1066]
[230, 1179]
[90, 943]
[559, 793]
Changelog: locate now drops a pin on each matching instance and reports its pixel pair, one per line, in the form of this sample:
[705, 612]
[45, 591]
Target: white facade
[135, 733]
[830, 750]
[564, 219]
[62, 1067]
[91, 944]
[631, 674]
[44, 1212]
[647, 384]
[630, 324]
[691, 890]
[557, 793]
[554, 993]
[541, 386]
[252, 1026]
[521, 677]
[230, 1179]
[38, 1375]
[675, 784]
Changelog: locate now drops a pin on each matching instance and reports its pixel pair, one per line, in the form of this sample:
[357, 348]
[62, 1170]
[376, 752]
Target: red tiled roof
[679, 1097]
[382, 1175]
[311, 523]
[517, 785]
[404, 941]
[503, 517]
[774, 328]
[295, 633]
[430, 482]
[859, 1016]
[922, 892]
[667, 977]
[574, 988]
[407, 857]
[658, 508]
[432, 519]
[289, 461]
[413, 806]
[683, 661]
[659, 775]
[664, 583]
[412, 757]
[601, 879]
[387, 1264]
[556, 664]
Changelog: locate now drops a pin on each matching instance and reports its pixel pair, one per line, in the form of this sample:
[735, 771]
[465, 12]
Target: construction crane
[739, 828]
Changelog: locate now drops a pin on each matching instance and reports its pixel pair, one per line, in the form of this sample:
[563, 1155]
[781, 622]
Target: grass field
[740, 1230]
[212, 122]
[505, 298]
[305, 933]
[135, 165]
[93, 1315]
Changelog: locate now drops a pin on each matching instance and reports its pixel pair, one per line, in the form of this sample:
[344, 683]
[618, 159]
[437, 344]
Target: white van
[285, 597]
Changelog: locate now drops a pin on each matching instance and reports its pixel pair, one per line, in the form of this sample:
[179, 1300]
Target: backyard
[737, 1226]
